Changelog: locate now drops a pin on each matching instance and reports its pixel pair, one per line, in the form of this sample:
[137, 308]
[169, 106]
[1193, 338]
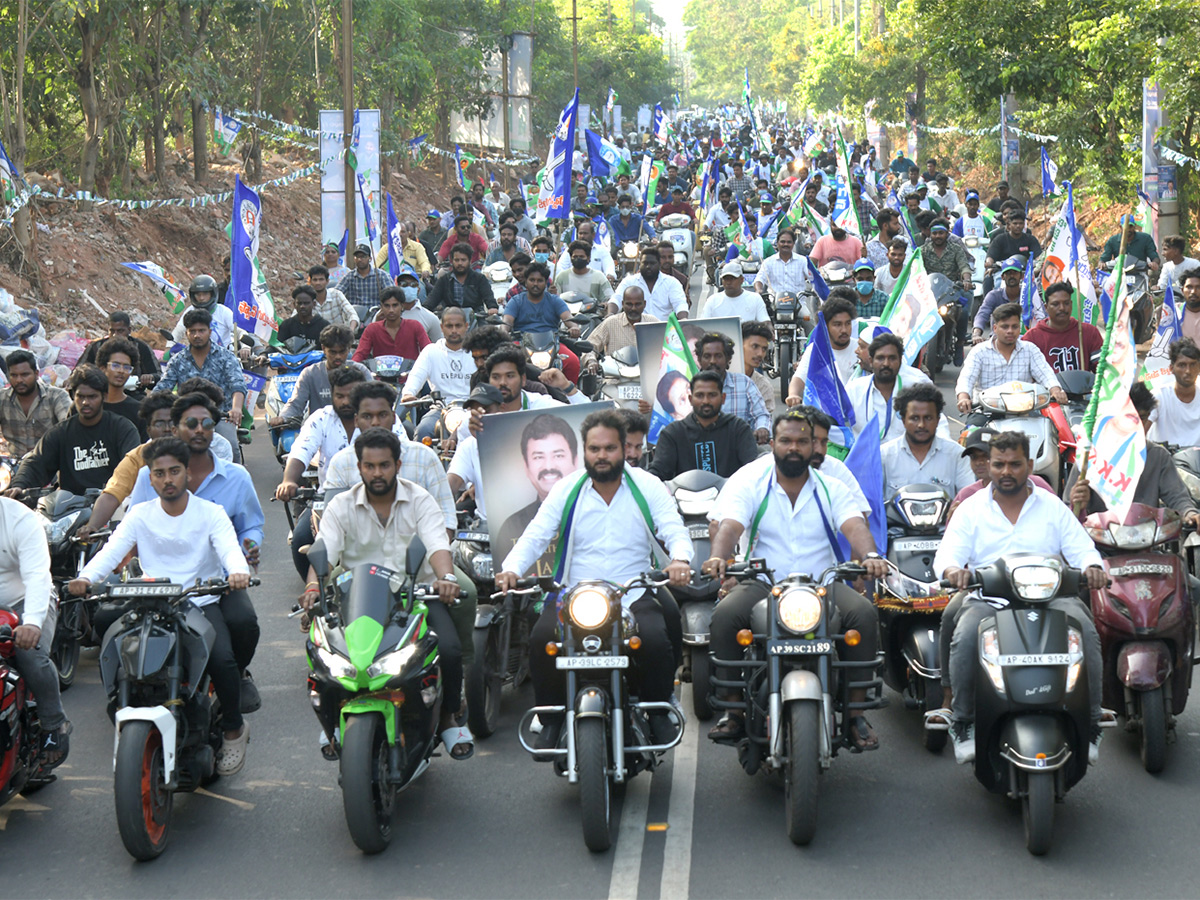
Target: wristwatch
[451, 578]
[872, 555]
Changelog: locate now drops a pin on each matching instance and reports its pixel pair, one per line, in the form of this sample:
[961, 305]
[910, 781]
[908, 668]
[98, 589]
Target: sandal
[458, 737]
[932, 717]
[730, 730]
[862, 736]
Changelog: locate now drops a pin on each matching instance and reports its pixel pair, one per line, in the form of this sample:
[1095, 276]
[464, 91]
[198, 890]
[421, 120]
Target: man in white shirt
[202, 293]
[784, 273]
[465, 472]
[580, 276]
[1011, 516]
[920, 456]
[1177, 417]
[616, 518]
[1002, 358]
[734, 299]
[182, 538]
[886, 277]
[873, 394]
[323, 433]
[839, 311]
[1174, 262]
[782, 510]
[664, 294]
[718, 214]
[27, 589]
[599, 256]
[445, 366]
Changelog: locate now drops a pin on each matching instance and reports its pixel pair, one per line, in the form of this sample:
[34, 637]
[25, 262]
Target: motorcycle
[910, 602]
[20, 728]
[500, 277]
[794, 321]
[695, 494]
[1032, 711]
[628, 258]
[795, 691]
[939, 352]
[1146, 623]
[677, 228]
[1077, 384]
[1014, 406]
[977, 250]
[1143, 315]
[298, 354]
[375, 685]
[601, 714]
[583, 311]
[836, 272]
[621, 378]
[162, 702]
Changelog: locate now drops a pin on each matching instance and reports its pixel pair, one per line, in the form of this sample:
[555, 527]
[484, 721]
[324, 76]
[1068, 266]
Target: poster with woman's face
[671, 393]
[523, 455]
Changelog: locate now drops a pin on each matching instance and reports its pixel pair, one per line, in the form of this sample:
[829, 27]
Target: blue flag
[368, 213]
[819, 284]
[603, 156]
[1049, 174]
[554, 192]
[247, 217]
[823, 386]
[1033, 309]
[866, 465]
[342, 244]
[395, 251]
[1169, 323]
[458, 167]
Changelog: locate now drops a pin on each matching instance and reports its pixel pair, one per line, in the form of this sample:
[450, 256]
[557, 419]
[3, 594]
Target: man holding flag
[1066, 342]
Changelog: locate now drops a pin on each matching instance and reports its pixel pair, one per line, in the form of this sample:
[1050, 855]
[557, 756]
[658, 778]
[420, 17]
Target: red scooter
[20, 733]
[1145, 620]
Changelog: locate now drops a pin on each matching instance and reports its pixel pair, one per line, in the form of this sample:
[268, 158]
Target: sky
[671, 12]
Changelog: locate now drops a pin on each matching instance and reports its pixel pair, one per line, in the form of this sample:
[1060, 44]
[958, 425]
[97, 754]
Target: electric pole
[575, 43]
[348, 121]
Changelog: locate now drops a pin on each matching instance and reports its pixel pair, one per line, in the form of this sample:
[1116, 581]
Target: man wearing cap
[619, 140]
[1011, 272]
[675, 206]
[363, 286]
[901, 164]
[971, 224]
[784, 272]
[412, 308]
[873, 394]
[949, 258]
[1138, 244]
[463, 234]
[465, 472]
[1015, 241]
[871, 300]
[434, 234]
[331, 257]
[768, 217]
[734, 300]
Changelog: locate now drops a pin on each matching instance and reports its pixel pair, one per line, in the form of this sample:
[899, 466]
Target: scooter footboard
[1036, 743]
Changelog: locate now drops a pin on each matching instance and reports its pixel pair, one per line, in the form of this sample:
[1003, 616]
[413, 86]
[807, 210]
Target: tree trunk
[254, 156]
[880, 18]
[199, 140]
[160, 136]
[89, 104]
[920, 103]
[149, 148]
[16, 140]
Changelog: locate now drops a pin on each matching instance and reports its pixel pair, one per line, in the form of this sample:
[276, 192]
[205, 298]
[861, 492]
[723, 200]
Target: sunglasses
[120, 367]
[207, 423]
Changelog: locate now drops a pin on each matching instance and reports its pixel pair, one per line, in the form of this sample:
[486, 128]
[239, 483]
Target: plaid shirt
[21, 432]
[873, 307]
[336, 310]
[743, 399]
[364, 291]
[220, 367]
[986, 367]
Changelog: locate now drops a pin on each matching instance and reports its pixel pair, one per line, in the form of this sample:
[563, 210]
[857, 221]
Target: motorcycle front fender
[920, 649]
[1143, 665]
[591, 703]
[800, 684]
[162, 719]
[485, 614]
[1035, 743]
[365, 706]
[697, 622]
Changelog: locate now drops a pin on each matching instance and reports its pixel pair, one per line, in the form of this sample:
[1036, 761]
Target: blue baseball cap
[1012, 264]
[433, 214]
[765, 197]
[863, 263]
[407, 269]
[1128, 220]
[972, 195]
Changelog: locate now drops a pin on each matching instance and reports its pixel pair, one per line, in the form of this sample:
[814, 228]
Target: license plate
[802, 648]
[1142, 569]
[318, 505]
[696, 532]
[480, 536]
[629, 391]
[916, 545]
[1035, 659]
[591, 662]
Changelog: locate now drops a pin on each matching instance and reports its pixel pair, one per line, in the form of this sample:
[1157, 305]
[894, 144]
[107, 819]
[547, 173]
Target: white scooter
[1017, 406]
[500, 277]
[677, 228]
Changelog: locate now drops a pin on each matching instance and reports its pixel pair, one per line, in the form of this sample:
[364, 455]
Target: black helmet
[202, 284]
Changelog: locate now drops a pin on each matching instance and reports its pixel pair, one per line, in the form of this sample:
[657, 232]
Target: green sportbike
[375, 685]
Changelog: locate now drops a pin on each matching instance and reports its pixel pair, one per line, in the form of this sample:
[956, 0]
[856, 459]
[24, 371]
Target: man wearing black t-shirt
[1014, 241]
[706, 438]
[305, 323]
[1001, 195]
[82, 450]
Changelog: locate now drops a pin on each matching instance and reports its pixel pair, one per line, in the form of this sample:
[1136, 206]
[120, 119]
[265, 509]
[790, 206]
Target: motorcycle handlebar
[93, 537]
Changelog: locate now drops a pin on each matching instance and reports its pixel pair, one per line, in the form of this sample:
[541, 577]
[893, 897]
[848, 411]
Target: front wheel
[803, 769]
[484, 680]
[1038, 807]
[701, 683]
[595, 789]
[1154, 729]
[785, 367]
[64, 648]
[367, 795]
[140, 792]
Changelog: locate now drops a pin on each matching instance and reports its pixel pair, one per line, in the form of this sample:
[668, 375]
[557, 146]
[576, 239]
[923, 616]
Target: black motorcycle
[910, 602]
[166, 711]
[939, 352]
[795, 318]
[1032, 711]
[606, 739]
[794, 690]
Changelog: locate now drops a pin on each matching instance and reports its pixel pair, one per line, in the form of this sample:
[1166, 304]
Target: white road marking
[677, 853]
[631, 838]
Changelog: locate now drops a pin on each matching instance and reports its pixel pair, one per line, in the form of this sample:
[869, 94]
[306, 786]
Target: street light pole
[348, 120]
[575, 43]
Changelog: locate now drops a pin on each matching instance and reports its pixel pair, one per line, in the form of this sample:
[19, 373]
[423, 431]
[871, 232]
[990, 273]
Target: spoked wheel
[803, 770]
[935, 741]
[64, 648]
[701, 683]
[1038, 809]
[367, 795]
[484, 681]
[595, 794]
[1154, 729]
[139, 790]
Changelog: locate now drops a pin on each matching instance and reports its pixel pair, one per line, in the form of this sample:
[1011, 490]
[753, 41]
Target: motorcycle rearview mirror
[246, 341]
[413, 557]
[166, 335]
[318, 557]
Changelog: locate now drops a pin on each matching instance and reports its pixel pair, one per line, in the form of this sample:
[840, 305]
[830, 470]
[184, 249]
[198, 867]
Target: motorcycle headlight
[454, 417]
[989, 655]
[923, 513]
[1133, 537]
[6, 474]
[1191, 482]
[338, 667]
[541, 359]
[1075, 649]
[1039, 582]
[57, 530]
[630, 250]
[392, 664]
[1018, 402]
[475, 561]
[799, 610]
[588, 607]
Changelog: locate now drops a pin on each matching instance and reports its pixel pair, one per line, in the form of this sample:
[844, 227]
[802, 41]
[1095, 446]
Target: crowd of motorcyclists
[376, 425]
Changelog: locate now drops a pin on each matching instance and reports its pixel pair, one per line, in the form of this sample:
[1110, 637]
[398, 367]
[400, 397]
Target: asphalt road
[900, 822]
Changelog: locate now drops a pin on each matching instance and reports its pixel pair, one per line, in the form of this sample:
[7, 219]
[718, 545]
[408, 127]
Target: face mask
[541, 257]
[410, 293]
[865, 287]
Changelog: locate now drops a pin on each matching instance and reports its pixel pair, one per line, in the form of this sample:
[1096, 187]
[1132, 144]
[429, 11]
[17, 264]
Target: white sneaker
[962, 735]
[1094, 748]
[232, 755]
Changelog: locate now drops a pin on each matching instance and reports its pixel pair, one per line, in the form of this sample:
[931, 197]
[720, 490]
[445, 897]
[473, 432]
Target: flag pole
[1085, 440]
